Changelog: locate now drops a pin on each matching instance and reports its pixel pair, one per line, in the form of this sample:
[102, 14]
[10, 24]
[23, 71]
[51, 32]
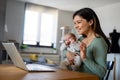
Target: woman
[94, 44]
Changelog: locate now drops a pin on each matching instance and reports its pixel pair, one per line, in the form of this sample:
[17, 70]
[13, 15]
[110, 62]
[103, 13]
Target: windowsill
[39, 50]
[38, 53]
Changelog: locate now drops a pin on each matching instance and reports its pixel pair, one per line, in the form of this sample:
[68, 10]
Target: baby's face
[69, 39]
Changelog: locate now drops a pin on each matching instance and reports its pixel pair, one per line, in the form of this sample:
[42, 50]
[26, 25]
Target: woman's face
[81, 25]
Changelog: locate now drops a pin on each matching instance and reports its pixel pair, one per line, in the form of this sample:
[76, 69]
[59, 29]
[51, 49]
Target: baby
[71, 44]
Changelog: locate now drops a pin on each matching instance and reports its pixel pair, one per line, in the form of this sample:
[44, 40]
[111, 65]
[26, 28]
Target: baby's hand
[76, 54]
[67, 42]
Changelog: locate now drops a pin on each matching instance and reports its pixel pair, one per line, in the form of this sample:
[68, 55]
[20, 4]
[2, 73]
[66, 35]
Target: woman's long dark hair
[89, 14]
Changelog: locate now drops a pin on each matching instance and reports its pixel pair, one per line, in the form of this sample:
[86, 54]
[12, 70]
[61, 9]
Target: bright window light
[39, 29]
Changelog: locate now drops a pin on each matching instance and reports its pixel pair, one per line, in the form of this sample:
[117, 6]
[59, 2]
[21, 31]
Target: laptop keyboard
[37, 67]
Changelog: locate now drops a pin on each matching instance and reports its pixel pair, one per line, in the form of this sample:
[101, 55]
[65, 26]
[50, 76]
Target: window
[40, 26]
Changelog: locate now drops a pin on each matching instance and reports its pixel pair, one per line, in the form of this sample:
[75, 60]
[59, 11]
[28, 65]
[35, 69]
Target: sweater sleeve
[98, 64]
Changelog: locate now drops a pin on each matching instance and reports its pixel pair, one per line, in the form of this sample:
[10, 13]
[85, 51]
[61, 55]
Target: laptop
[18, 61]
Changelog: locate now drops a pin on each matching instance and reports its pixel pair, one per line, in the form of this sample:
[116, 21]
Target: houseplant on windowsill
[23, 46]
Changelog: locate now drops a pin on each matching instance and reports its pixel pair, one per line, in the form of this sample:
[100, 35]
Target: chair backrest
[110, 65]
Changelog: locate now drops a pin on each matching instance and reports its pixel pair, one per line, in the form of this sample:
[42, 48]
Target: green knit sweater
[95, 61]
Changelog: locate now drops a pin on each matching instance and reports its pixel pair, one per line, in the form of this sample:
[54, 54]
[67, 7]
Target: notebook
[18, 61]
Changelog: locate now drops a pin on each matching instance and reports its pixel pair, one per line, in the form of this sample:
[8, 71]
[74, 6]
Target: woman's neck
[90, 34]
[89, 38]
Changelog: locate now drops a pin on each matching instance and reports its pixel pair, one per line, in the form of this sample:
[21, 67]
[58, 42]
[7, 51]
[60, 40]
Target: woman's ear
[91, 22]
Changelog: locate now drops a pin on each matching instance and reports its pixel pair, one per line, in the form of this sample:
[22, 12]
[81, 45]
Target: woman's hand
[70, 57]
[83, 50]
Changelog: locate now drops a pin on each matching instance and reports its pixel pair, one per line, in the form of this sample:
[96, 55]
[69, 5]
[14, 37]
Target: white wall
[14, 20]
[109, 17]
[64, 19]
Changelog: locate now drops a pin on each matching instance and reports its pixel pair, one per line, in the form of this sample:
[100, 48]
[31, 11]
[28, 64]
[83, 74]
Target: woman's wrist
[83, 59]
[83, 55]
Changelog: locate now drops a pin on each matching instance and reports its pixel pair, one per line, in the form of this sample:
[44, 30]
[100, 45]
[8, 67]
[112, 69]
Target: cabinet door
[110, 57]
[117, 71]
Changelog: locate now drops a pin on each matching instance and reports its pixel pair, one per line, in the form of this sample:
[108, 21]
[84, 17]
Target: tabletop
[11, 72]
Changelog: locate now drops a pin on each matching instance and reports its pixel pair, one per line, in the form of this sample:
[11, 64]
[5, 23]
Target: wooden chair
[110, 65]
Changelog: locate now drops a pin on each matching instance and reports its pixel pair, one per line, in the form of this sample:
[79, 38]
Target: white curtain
[46, 10]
